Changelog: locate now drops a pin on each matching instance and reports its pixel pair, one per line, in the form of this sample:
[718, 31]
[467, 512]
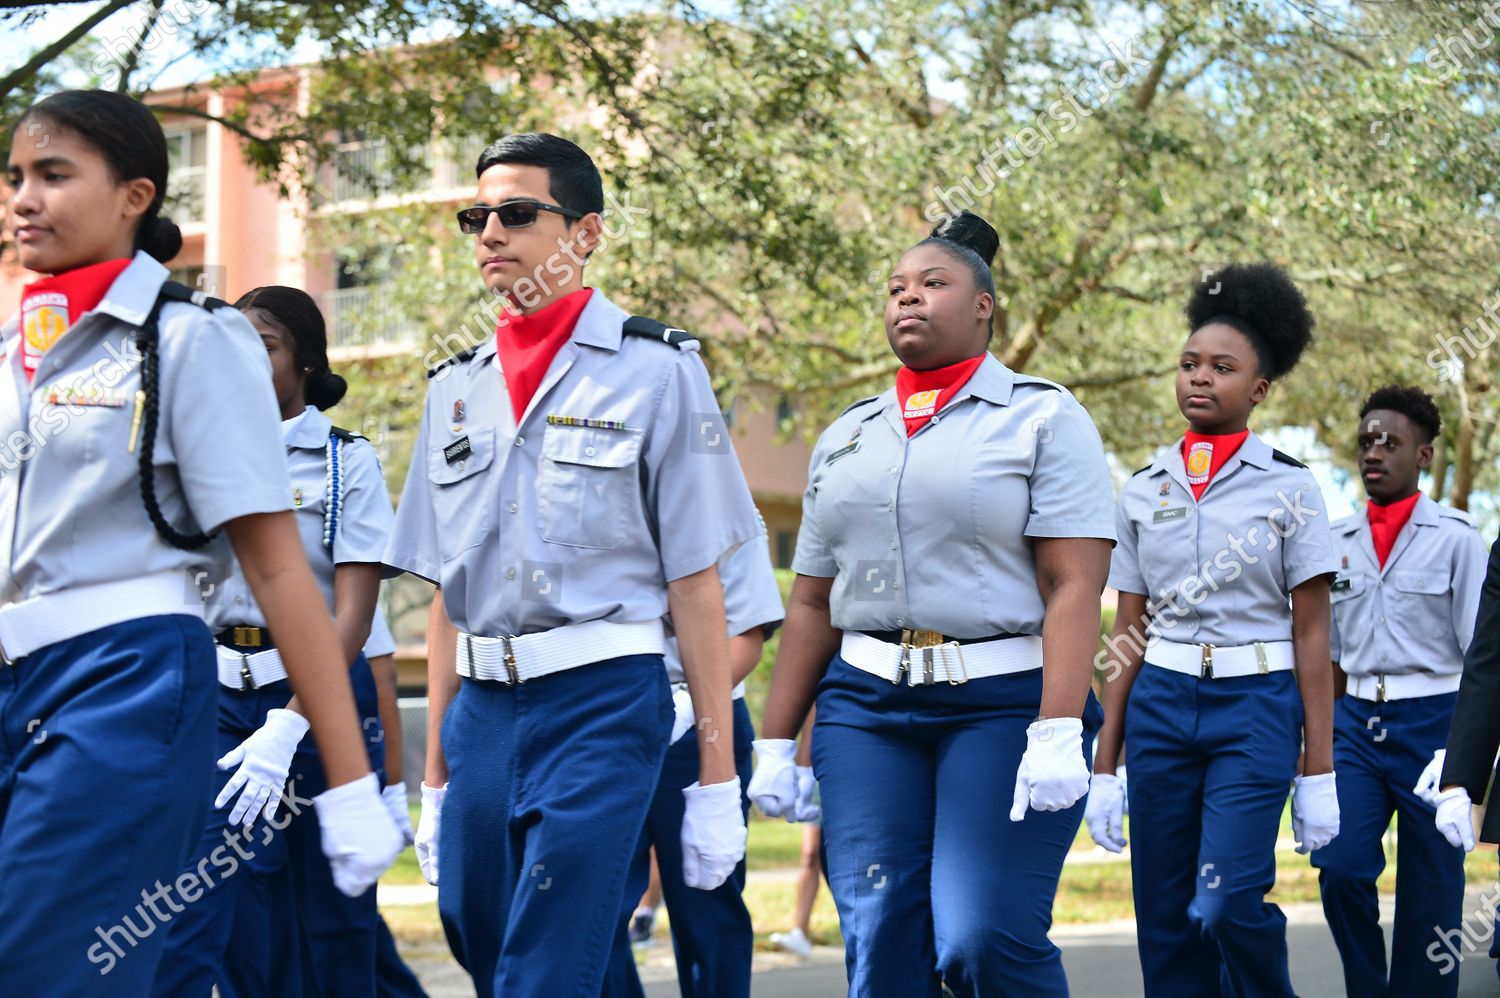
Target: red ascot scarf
[51, 306]
[1204, 454]
[528, 343]
[923, 393]
[1386, 523]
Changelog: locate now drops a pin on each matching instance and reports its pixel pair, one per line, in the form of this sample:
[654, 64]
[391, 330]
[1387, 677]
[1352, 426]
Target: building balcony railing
[366, 317]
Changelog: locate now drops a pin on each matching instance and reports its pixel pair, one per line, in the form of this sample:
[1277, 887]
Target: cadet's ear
[587, 234]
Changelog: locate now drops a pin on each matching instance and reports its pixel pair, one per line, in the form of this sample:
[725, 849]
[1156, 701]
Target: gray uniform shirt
[751, 599]
[1221, 570]
[620, 479]
[363, 525]
[70, 504]
[935, 531]
[1417, 613]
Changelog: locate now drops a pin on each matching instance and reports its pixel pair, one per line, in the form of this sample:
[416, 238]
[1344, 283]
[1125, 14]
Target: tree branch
[133, 60]
[57, 48]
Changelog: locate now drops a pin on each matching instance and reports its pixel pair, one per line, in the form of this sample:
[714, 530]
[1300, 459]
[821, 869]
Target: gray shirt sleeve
[364, 523]
[1470, 559]
[1070, 488]
[413, 545]
[1124, 561]
[1300, 520]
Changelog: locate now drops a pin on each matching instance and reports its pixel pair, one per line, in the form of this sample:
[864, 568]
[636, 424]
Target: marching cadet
[712, 937]
[954, 544]
[573, 482]
[1219, 532]
[132, 394]
[248, 934]
[1403, 613]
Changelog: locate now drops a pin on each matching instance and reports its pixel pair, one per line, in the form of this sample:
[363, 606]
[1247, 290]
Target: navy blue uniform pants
[1379, 750]
[278, 925]
[1211, 766]
[549, 782]
[933, 881]
[106, 770]
[712, 937]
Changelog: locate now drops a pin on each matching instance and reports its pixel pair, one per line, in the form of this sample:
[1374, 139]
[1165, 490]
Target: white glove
[1427, 783]
[1105, 811]
[265, 759]
[807, 807]
[713, 833]
[394, 797]
[1052, 774]
[359, 838]
[1315, 811]
[773, 786]
[1455, 818]
[426, 840]
[682, 713]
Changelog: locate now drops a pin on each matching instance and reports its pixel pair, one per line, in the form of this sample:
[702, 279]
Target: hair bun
[972, 232]
[324, 389]
[159, 237]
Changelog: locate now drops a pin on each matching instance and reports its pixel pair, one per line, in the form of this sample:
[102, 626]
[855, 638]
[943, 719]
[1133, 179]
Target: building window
[187, 172]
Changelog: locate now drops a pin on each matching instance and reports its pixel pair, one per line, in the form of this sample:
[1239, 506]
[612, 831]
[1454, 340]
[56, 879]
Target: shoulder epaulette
[856, 405]
[457, 358]
[1139, 471]
[1344, 522]
[1455, 514]
[652, 329]
[1027, 379]
[347, 436]
[173, 291]
[1286, 459]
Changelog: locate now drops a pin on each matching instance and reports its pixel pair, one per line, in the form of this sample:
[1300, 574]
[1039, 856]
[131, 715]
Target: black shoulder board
[639, 325]
[1286, 459]
[347, 436]
[457, 358]
[1137, 472]
[861, 402]
[172, 291]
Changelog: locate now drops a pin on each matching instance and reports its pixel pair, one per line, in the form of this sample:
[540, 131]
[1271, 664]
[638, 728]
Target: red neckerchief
[528, 343]
[1386, 523]
[51, 306]
[923, 393]
[1204, 454]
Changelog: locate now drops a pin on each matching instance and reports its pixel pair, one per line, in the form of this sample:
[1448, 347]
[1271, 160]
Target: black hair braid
[147, 341]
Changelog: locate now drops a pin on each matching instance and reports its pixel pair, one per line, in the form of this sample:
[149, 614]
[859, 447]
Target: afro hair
[1413, 403]
[1261, 301]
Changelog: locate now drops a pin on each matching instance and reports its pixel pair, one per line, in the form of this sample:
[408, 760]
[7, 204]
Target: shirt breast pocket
[588, 489]
[459, 500]
[1422, 594]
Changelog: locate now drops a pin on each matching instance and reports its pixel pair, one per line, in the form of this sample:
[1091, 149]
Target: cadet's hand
[773, 787]
[394, 797]
[713, 833]
[1105, 811]
[1052, 775]
[426, 841]
[682, 712]
[1455, 818]
[265, 759]
[359, 838]
[1315, 811]
[1427, 783]
[807, 807]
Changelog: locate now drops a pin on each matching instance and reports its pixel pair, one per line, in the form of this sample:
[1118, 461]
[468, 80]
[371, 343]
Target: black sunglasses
[513, 215]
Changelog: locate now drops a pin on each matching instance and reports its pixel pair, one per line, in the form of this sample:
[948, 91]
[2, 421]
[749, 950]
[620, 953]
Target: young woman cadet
[573, 481]
[241, 933]
[1403, 614]
[954, 544]
[712, 937]
[145, 433]
[1219, 532]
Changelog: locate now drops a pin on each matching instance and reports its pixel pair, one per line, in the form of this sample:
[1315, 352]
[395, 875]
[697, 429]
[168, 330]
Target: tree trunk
[1439, 468]
[1463, 464]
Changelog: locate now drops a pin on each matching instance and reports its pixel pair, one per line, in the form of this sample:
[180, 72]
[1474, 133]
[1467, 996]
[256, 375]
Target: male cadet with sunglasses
[573, 482]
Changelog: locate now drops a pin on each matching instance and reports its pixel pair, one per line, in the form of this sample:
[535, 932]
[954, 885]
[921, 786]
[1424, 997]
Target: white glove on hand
[713, 833]
[426, 840]
[1105, 811]
[359, 838]
[394, 797]
[682, 713]
[265, 759]
[1315, 811]
[1052, 774]
[773, 786]
[1455, 818]
[807, 807]
[1427, 783]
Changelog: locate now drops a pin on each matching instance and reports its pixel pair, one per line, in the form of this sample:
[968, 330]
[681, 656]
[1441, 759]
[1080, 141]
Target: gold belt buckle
[921, 639]
[249, 637]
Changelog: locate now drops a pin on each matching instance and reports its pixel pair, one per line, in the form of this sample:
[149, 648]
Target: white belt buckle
[247, 681]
